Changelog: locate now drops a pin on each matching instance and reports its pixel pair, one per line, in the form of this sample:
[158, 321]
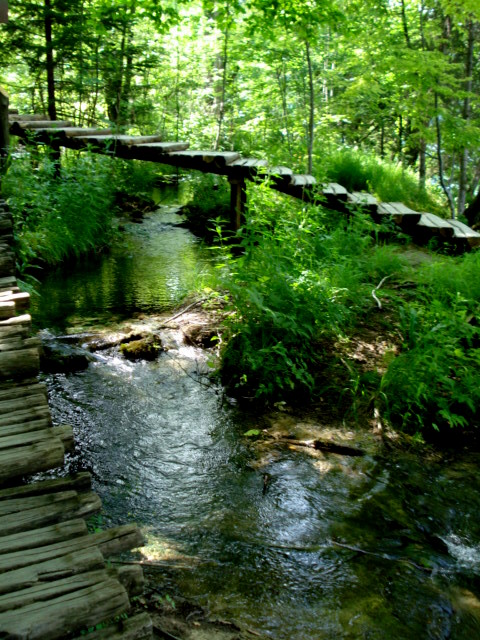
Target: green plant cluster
[59, 214]
[390, 182]
[435, 380]
[302, 283]
[301, 279]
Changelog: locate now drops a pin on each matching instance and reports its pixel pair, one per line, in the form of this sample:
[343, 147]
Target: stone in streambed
[142, 349]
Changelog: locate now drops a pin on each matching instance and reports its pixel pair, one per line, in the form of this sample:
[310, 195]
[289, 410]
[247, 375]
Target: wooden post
[238, 200]
[4, 133]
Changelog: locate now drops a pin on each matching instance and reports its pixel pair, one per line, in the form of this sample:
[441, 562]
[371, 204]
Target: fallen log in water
[324, 445]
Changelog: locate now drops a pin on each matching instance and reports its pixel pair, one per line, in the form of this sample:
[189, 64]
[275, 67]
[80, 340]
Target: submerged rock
[143, 349]
[56, 357]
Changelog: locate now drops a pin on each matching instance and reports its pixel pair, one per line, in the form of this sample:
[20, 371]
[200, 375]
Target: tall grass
[358, 171]
[59, 216]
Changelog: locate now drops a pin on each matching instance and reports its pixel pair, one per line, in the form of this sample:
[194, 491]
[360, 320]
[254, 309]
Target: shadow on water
[337, 547]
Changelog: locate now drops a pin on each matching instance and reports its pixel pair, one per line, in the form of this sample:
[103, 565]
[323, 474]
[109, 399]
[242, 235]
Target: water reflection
[150, 269]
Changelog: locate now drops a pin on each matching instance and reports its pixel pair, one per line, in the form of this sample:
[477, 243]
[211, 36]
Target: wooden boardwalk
[420, 225]
[54, 582]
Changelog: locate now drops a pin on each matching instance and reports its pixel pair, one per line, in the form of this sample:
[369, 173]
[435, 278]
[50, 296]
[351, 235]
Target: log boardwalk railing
[420, 225]
[54, 582]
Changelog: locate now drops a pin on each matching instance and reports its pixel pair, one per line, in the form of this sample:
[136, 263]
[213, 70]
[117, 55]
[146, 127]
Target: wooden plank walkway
[421, 226]
[54, 581]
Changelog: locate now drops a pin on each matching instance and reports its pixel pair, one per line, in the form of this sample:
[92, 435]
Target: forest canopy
[294, 80]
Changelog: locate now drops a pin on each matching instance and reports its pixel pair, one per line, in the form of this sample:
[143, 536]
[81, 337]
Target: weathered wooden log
[22, 363]
[45, 124]
[67, 565]
[329, 447]
[109, 542]
[15, 117]
[7, 282]
[46, 591]
[138, 627]
[60, 616]
[7, 263]
[7, 309]
[25, 415]
[402, 215]
[20, 300]
[65, 433]
[79, 506]
[42, 537]
[26, 427]
[24, 320]
[80, 482]
[13, 344]
[23, 504]
[363, 201]
[12, 391]
[26, 438]
[6, 224]
[131, 577]
[28, 402]
[29, 459]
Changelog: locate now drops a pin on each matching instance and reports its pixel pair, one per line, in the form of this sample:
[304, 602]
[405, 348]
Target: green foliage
[300, 282]
[435, 381]
[57, 217]
[358, 171]
[135, 178]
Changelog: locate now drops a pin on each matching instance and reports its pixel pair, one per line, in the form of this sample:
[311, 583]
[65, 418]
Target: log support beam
[238, 201]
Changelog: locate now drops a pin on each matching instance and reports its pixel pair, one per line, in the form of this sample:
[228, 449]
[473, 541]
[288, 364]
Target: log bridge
[54, 580]
[422, 226]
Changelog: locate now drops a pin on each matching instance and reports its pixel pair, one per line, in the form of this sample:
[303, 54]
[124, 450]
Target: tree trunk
[223, 89]
[311, 110]
[441, 174]
[52, 108]
[4, 134]
[422, 163]
[466, 113]
[472, 212]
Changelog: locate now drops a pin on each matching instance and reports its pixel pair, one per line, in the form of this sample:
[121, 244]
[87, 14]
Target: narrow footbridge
[54, 580]
[420, 225]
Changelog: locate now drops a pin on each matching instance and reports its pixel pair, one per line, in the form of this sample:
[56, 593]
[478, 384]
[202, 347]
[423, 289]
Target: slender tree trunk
[223, 90]
[282, 84]
[4, 132]
[405, 26]
[441, 175]
[52, 107]
[311, 109]
[466, 113]
[422, 163]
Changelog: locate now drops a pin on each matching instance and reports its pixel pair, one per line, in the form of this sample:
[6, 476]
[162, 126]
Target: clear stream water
[384, 546]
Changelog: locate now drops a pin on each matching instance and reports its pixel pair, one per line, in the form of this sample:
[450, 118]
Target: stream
[380, 546]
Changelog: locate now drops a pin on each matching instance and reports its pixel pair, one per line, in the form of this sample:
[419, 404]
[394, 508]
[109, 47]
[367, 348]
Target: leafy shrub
[435, 381]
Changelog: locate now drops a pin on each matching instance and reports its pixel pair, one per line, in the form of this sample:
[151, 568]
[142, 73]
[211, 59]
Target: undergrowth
[59, 216]
[302, 284]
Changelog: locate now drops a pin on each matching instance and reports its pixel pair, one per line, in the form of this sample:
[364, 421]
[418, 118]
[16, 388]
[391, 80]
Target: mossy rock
[143, 349]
